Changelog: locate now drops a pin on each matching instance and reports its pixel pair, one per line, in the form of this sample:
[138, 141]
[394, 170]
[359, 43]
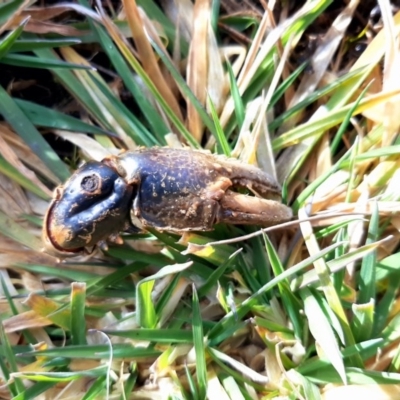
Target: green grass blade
[231, 387]
[150, 113]
[314, 127]
[158, 126]
[367, 280]
[215, 276]
[7, 42]
[8, 9]
[78, 91]
[50, 118]
[8, 170]
[289, 300]
[336, 264]
[260, 261]
[9, 364]
[248, 374]
[60, 377]
[126, 119]
[95, 352]
[310, 391]
[155, 335]
[97, 389]
[219, 134]
[154, 12]
[81, 276]
[283, 87]
[199, 346]
[78, 322]
[129, 384]
[393, 150]
[184, 87]
[313, 97]
[29, 338]
[22, 60]
[25, 44]
[312, 187]
[127, 253]
[165, 297]
[355, 376]
[365, 350]
[145, 309]
[388, 268]
[251, 281]
[322, 331]
[363, 320]
[343, 127]
[35, 391]
[114, 278]
[246, 305]
[13, 230]
[136, 66]
[23, 126]
[300, 25]
[237, 98]
[192, 385]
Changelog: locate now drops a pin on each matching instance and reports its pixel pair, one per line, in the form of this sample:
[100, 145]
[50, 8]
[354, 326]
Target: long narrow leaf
[21, 60]
[50, 118]
[159, 127]
[23, 126]
[7, 42]
[199, 346]
[323, 332]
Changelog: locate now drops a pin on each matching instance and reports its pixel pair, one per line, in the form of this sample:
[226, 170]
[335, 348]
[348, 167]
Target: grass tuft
[307, 92]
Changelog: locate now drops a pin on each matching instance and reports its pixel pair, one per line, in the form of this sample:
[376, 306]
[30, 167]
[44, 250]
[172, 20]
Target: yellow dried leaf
[16, 18]
[43, 27]
[23, 152]
[147, 56]
[197, 69]
[25, 320]
[9, 154]
[49, 310]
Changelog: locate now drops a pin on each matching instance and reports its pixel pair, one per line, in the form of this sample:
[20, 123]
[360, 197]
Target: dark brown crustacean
[167, 189]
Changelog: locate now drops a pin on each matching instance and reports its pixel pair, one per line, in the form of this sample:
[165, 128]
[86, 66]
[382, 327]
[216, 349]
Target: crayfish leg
[236, 208]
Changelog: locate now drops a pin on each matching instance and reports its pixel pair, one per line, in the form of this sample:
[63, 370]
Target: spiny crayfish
[167, 189]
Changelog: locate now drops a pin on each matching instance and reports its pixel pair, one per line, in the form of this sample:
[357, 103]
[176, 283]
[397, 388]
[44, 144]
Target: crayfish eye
[91, 183]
